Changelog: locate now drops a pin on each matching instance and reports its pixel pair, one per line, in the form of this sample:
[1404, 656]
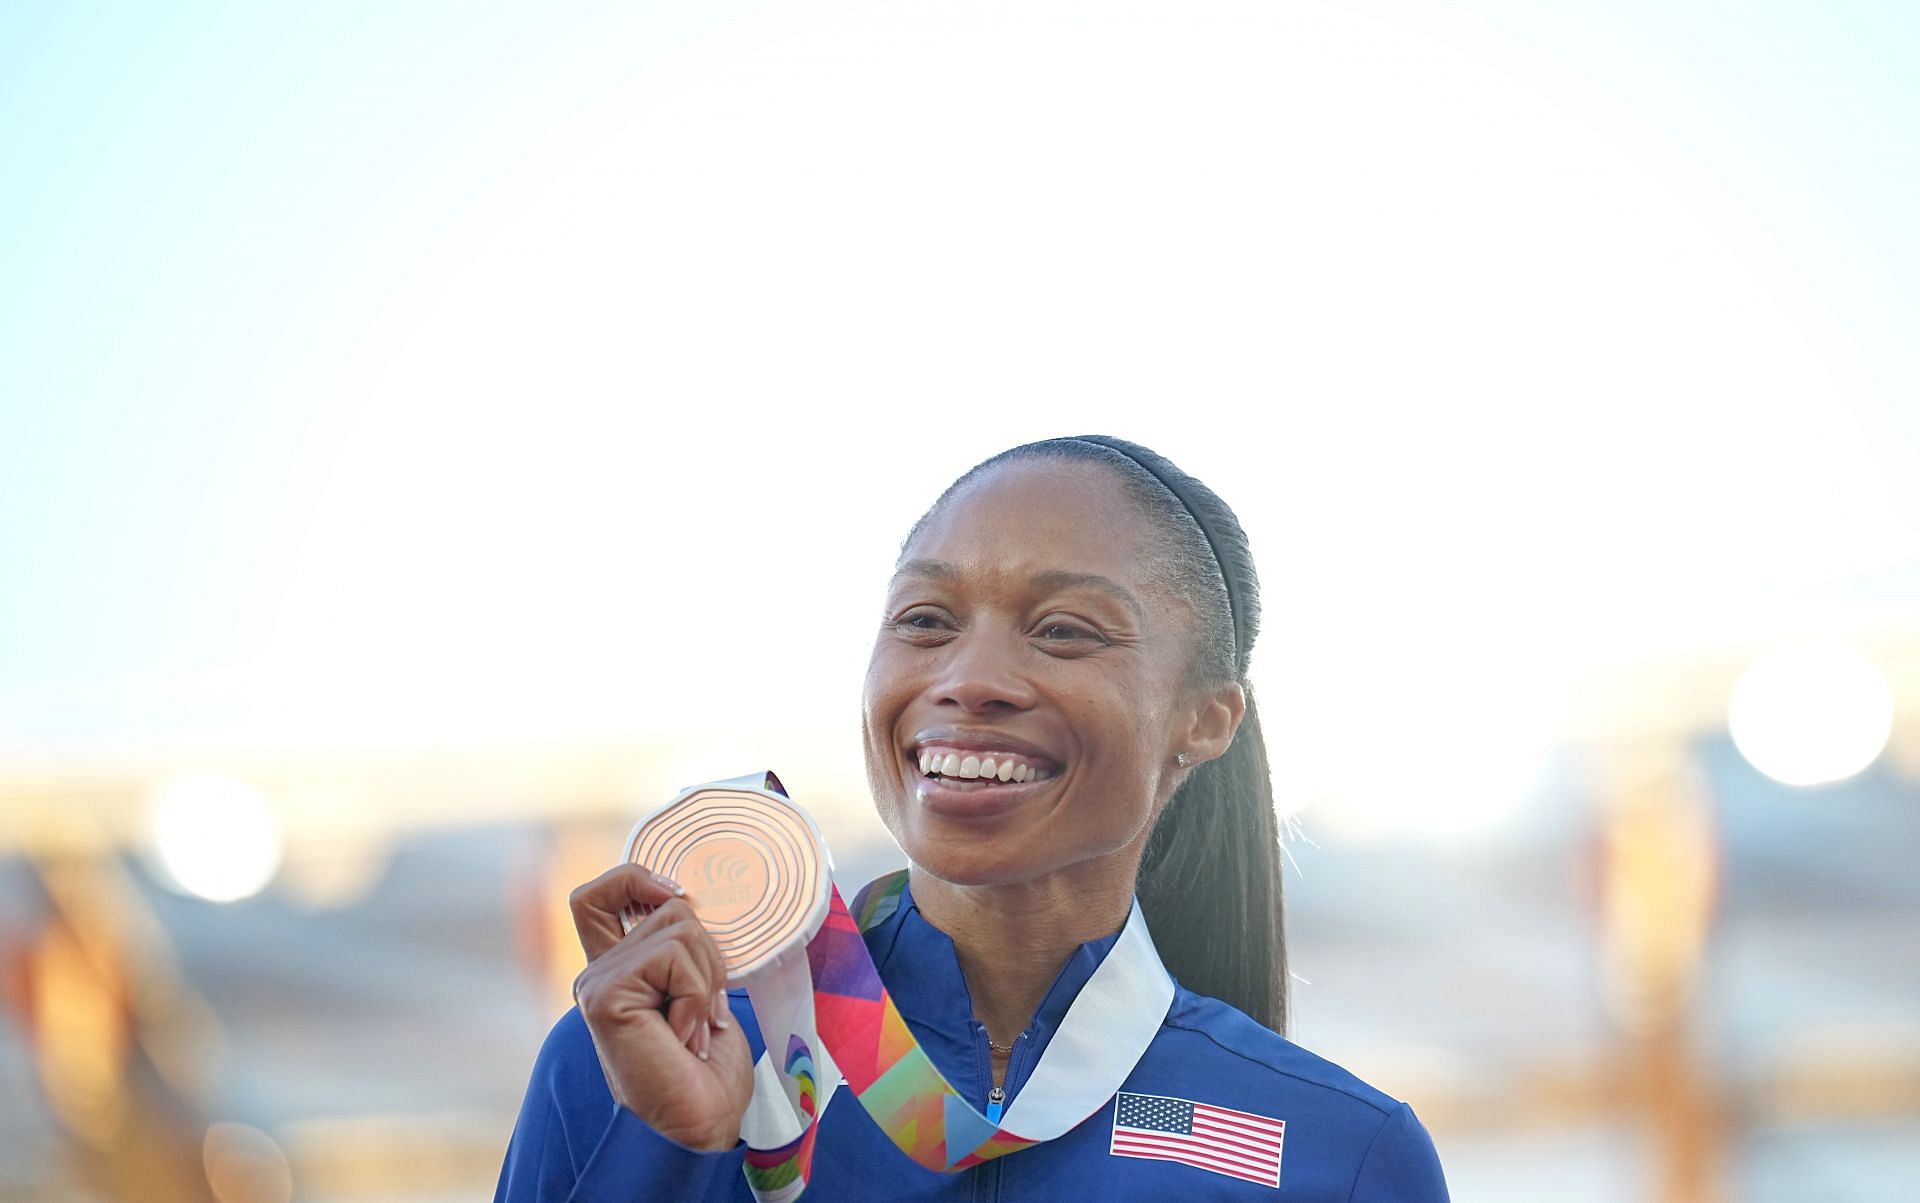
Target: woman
[1056, 718]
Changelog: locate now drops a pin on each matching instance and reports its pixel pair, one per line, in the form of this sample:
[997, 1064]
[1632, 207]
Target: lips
[975, 774]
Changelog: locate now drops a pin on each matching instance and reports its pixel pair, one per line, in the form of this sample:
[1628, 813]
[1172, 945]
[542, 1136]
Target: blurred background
[432, 434]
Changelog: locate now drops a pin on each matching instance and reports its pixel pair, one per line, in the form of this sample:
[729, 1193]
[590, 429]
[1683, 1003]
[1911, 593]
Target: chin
[974, 868]
[970, 860]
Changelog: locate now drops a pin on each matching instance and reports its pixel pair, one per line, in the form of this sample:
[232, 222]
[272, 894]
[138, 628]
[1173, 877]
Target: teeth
[975, 767]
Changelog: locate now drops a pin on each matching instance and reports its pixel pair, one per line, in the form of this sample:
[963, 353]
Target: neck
[1012, 940]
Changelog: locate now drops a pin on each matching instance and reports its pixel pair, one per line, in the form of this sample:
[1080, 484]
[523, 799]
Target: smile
[956, 765]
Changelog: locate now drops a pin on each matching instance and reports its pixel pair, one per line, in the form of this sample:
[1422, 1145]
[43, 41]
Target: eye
[924, 623]
[1067, 631]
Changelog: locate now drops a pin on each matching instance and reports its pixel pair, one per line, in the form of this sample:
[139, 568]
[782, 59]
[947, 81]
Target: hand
[655, 1000]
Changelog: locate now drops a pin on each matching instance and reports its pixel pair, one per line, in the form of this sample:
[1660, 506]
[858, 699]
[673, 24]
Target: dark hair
[1210, 878]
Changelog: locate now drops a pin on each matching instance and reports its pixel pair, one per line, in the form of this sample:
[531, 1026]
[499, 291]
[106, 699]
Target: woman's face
[1029, 688]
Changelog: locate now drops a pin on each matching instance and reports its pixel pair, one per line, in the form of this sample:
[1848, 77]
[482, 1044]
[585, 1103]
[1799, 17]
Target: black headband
[1185, 498]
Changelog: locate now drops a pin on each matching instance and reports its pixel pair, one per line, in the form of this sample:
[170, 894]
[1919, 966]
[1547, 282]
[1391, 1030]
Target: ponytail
[1209, 883]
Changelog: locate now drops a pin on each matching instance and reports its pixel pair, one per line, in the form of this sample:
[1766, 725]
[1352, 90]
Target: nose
[981, 673]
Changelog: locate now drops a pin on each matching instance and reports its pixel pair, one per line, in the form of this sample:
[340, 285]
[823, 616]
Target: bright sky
[387, 374]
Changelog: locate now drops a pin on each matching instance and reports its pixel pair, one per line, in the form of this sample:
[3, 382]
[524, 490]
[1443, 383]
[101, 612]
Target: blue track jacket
[1344, 1142]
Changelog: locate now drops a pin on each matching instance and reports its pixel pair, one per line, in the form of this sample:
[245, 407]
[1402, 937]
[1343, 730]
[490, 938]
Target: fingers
[597, 905]
[695, 1018]
[652, 969]
[667, 963]
[687, 1016]
[696, 988]
[675, 919]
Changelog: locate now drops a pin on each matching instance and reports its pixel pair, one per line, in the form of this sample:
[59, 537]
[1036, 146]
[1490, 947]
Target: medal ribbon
[828, 1014]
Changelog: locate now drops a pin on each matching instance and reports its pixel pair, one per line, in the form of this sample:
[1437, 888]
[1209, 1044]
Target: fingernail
[721, 1012]
[679, 890]
[706, 1041]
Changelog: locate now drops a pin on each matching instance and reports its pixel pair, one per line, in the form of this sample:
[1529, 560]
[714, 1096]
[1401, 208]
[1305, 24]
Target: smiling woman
[1059, 734]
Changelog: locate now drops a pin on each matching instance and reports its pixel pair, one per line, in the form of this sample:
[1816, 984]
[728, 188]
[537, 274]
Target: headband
[1186, 499]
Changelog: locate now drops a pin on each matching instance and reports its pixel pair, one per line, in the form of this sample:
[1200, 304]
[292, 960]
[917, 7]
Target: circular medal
[752, 863]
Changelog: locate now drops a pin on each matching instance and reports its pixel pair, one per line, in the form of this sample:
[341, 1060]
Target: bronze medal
[753, 865]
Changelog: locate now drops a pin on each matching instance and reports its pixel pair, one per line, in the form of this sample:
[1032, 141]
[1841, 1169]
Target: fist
[655, 1000]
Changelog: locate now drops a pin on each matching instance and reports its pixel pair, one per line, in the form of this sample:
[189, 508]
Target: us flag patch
[1234, 1143]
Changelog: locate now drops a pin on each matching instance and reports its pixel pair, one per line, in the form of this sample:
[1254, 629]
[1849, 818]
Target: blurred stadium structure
[1675, 979]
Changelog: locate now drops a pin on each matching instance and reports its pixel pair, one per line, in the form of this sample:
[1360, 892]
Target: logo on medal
[724, 867]
[722, 871]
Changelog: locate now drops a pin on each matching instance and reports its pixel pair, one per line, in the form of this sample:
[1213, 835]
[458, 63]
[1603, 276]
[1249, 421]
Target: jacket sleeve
[574, 1144]
[1401, 1166]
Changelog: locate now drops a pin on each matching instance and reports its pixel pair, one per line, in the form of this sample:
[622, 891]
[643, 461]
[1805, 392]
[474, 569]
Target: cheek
[877, 690]
[883, 699]
[1128, 762]
[877, 715]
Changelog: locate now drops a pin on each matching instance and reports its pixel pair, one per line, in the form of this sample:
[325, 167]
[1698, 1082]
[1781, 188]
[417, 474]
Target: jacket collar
[921, 970]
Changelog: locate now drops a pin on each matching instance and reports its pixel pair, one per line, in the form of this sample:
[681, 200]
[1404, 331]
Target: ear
[1216, 716]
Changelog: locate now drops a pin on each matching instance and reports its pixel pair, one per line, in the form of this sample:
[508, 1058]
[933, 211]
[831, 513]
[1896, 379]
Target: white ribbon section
[1106, 1032]
[782, 997]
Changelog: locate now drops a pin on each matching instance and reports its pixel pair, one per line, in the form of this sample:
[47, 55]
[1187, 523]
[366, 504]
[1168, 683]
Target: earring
[1183, 760]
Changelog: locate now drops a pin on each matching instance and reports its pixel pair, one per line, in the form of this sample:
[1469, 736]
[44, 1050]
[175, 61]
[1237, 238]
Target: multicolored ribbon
[828, 1014]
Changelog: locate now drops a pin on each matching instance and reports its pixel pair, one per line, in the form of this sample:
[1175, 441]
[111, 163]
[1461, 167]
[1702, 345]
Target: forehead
[1033, 516]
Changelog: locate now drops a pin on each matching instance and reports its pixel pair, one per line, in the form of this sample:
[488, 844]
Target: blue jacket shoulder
[1240, 1036]
[1344, 1138]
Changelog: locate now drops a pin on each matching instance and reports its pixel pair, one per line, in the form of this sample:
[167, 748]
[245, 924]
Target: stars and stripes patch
[1224, 1141]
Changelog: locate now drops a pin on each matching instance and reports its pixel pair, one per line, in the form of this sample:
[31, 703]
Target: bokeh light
[244, 1165]
[1811, 714]
[215, 837]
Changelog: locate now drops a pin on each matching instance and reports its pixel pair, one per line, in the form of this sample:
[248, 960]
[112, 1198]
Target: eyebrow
[942, 572]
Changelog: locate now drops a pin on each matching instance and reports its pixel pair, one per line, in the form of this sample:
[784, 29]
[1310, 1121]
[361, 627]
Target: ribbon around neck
[824, 1014]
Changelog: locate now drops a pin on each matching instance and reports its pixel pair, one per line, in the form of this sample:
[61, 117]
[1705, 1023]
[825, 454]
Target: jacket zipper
[986, 1181]
[987, 1185]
